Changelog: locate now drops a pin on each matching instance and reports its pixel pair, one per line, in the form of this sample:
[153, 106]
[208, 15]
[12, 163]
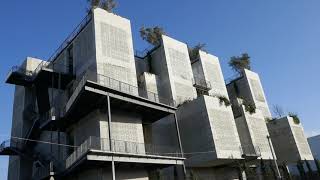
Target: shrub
[152, 35]
[107, 5]
[238, 63]
[295, 117]
[249, 107]
[224, 99]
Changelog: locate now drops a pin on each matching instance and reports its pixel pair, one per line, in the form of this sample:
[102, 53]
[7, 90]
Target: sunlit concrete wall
[253, 133]
[114, 48]
[172, 64]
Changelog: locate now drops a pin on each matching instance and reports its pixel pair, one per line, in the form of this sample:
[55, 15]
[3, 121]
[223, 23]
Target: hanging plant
[224, 100]
[249, 107]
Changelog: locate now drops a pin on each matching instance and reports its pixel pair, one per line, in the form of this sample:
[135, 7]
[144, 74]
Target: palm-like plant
[152, 34]
[107, 5]
[238, 63]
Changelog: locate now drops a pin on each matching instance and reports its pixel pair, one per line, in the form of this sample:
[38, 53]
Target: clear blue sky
[282, 37]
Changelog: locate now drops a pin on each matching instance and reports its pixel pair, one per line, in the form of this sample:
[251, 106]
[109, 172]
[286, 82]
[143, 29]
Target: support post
[274, 157]
[180, 144]
[110, 140]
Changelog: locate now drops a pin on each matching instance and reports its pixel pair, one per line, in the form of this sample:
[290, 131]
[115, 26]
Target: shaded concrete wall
[214, 173]
[289, 141]
[206, 125]
[114, 48]
[20, 168]
[314, 143]
[122, 173]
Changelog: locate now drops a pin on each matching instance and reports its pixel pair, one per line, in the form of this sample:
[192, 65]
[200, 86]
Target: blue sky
[282, 38]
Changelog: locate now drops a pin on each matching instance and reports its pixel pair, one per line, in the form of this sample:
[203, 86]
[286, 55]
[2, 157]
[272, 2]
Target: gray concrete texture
[289, 141]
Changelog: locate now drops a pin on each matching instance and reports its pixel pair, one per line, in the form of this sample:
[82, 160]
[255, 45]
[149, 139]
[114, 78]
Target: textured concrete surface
[289, 141]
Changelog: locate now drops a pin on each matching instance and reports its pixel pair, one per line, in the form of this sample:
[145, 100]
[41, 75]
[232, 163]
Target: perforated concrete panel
[208, 126]
[172, 64]
[213, 73]
[257, 92]
[289, 141]
[258, 132]
[114, 48]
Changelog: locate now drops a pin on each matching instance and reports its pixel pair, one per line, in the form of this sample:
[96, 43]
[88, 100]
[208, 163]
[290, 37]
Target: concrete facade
[289, 141]
[314, 143]
[208, 126]
[171, 63]
[96, 110]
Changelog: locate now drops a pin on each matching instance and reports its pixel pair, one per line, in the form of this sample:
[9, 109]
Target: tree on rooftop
[194, 51]
[278, 110]
[239, 63]
[107, 5]
[152, 34]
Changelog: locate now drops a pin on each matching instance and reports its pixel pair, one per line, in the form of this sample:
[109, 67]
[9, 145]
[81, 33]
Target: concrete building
[314, 143]
[97, 110]
[83, 112]
[250, 109]
[289, 141]
[207, 124]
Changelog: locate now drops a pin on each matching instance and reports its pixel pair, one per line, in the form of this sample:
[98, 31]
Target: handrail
[201, 82]
[250, 150]
[118, 86]
[58, 51]
[119, 146]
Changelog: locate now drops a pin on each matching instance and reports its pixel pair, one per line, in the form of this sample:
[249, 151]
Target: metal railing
[52, 58]
[202, 83]
[144, 53]
[12, 143]
[20, 70]
[118, 86]
[249, 150]
[118, 146]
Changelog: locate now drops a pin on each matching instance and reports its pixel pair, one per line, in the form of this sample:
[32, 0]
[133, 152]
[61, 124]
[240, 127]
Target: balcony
[98, 149]
[201, 83]
[89, 94]
[44, 71]
[250, 152]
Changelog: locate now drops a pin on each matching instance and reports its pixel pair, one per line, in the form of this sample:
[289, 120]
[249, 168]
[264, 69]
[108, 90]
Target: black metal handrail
[118, 86]
[202, 83]
[52, 58]
[119, 146]
[250, 150]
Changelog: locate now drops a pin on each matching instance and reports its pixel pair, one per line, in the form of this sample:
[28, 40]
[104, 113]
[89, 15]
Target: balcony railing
[250, 151]
[201, 83]
[53, 57]
[115, 85]
[123, 147]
